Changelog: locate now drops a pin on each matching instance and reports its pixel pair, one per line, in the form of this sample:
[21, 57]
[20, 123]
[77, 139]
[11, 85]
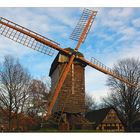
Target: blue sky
[115, 34]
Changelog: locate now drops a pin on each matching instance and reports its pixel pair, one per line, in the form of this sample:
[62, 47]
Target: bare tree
[90, 103]
[14, 81]
[125, 98]
[39, 92]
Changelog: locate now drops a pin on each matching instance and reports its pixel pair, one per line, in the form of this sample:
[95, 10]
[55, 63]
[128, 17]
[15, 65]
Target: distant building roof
[97, 116]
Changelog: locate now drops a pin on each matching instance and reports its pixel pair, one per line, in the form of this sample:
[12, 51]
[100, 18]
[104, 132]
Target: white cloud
[129, 31]
[98, 94]
[136, 22]
[64, 15]
[131, 52]
[93, 76]
[121, 12]
[114, 18]
[8, 47]
[95, 83]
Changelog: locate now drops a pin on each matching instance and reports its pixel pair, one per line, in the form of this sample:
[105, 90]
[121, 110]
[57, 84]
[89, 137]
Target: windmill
[44, 45]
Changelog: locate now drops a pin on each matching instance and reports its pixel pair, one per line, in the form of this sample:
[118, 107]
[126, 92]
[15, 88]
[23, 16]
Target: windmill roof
[61, 58]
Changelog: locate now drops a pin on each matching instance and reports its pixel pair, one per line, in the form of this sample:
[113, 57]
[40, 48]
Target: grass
[71, 131]
[47, 130]
[84, 131]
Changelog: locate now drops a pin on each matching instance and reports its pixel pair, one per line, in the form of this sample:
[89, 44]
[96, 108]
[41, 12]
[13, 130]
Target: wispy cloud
[136, 22]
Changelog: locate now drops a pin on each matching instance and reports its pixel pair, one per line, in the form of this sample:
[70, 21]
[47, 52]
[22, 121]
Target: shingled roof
[97, 116]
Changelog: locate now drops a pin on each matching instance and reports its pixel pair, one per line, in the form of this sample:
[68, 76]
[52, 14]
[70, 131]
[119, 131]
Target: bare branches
[90, 103]
[14, 81]
[38, 98]
[124, 98]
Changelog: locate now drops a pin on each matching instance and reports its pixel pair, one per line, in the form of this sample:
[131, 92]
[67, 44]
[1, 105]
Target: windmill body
[71, 98]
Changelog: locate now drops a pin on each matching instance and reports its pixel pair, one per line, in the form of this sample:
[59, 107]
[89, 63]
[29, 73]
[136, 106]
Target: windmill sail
[94, 63]
[77, 32]
[25, 37]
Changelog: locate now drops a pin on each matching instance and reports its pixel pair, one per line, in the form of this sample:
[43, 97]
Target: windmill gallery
[67, 100]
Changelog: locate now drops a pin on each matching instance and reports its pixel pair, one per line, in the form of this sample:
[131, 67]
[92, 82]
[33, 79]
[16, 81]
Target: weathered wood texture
[72, 94]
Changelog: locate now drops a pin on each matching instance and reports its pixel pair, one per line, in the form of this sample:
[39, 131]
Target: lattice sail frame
[101, 65]
[26, 39]
[76, 34]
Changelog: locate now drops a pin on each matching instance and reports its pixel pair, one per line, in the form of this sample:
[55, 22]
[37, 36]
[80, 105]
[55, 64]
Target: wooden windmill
[69, 58]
